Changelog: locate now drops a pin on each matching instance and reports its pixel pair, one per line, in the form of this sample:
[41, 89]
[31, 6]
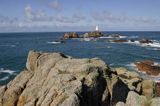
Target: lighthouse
[97, 29]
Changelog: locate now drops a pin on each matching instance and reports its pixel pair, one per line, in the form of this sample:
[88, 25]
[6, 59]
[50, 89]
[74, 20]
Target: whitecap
[54, 42]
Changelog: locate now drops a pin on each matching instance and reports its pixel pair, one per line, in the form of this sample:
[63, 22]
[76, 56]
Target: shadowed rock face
[54, 79]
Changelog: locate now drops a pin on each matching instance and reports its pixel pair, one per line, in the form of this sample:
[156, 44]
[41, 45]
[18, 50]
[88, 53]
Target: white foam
[122, 36]
[89, 39]
[110, 37]
[54, 42]
[10, 72]
[155, 44]
[4, 78]
[7, 71]
[104, 37]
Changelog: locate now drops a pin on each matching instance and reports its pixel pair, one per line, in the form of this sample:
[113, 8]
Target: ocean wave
[154, 44]
[10, 72]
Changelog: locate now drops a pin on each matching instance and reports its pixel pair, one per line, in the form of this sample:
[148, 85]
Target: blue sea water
[14, 48]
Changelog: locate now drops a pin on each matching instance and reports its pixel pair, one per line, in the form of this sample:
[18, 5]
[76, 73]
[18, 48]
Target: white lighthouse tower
[97, 29]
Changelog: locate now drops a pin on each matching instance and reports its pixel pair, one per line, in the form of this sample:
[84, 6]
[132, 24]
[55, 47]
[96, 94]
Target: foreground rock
[149, 67]
[54, 79]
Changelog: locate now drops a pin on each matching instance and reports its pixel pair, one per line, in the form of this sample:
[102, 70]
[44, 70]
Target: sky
[79, 15]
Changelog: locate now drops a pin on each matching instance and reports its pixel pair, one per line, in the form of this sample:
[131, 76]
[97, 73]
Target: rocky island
[94, 34]
[55, 79]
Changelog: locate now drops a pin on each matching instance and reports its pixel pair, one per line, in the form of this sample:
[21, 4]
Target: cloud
[36, 15]
[78, 16]
[109, 17]
[56, 5]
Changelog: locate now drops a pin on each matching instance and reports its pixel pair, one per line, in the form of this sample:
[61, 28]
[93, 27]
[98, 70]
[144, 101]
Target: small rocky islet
[55, 79]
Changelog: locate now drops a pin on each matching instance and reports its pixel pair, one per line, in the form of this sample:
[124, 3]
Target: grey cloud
[106, 16]
[36, 15]
[78, 16]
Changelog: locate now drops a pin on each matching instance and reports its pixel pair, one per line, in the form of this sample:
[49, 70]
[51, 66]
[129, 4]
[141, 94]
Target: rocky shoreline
[55, 79]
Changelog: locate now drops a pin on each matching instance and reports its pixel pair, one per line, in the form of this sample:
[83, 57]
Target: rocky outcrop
[94, 34]
[70, 35]
[54, 79]
[119, 41]
[145, 41]
[149, 67]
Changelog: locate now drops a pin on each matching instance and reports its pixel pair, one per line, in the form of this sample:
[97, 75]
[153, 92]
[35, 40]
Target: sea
[14, 48]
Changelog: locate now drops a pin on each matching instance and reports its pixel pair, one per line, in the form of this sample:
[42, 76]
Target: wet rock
[147, 41]
[149, 67]
[119, 41]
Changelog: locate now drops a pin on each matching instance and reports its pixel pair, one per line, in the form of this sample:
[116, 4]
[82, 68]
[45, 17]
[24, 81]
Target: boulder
[149, 67]
[120, 104]
[134, 99]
